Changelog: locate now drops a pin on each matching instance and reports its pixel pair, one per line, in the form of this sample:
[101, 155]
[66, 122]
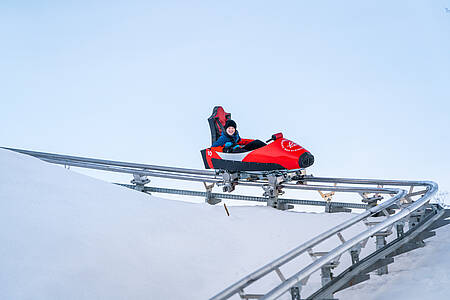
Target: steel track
[295, 281]
[400, 207]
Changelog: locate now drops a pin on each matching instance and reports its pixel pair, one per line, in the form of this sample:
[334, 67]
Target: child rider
[232, 142]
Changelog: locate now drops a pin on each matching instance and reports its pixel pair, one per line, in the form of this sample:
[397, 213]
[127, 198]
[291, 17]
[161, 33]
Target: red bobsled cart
[279, 154]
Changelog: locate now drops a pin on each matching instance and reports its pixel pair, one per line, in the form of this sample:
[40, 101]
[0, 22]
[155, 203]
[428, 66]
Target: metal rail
[282, 260]
[399, 207]
[185, 174]
[304, 274]
[68, 158]
[143, 172]
[149, 189]
[398, 246]
[316, 265]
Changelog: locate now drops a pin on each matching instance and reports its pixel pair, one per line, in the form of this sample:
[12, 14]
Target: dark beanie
[230, 123]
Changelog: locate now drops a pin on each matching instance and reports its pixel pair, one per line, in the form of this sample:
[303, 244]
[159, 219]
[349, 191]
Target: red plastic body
[282, 151]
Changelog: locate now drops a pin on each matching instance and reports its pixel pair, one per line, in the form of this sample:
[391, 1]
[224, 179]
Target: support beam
[354, 281]
[439, 223]
[378, 264]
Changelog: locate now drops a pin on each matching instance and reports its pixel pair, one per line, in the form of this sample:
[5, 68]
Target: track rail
[390, 202]
[184, 173]
[60, 159]
[406, 208]
[395, 247]
[149, 189]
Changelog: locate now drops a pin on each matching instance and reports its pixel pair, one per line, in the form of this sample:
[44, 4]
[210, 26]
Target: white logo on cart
[209, 153]
[290, 146]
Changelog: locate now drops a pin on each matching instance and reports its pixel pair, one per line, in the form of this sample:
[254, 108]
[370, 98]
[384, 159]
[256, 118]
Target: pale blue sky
[364, 85]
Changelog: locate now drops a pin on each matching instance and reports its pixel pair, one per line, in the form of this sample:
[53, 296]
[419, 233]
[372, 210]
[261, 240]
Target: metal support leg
[329, 208]
[355, 256]
[139, 182]
[371, 201]
[415, 217]
[327, 276]
[209, 198]
[229, 181]
[380, 243]
[327, 197]
[295, 292]
[400, 229]
[271, 195]
[272, 190]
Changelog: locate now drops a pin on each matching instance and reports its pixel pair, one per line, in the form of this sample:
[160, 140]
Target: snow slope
[64, 235]
[68, 236]
[420, 274]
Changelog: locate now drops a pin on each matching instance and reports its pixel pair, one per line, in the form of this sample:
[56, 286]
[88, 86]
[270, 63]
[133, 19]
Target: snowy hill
[420, 274]
[68, 236]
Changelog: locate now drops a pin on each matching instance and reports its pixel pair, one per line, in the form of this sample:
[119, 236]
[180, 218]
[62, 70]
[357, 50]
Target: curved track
[388, 204]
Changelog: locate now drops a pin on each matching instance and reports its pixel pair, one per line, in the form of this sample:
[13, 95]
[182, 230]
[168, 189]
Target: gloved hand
[228, 144]
[236, 147]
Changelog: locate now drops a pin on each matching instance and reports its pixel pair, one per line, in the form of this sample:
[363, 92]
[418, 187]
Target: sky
[363, 85]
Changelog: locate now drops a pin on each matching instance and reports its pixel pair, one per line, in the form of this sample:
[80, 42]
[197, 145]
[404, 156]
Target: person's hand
[236, 147]
[228, 144]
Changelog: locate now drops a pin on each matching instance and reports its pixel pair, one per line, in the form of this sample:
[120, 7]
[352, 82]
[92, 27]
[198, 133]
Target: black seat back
[217, 122]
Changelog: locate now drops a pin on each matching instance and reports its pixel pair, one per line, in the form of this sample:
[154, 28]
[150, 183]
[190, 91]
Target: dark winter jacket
[225, 137]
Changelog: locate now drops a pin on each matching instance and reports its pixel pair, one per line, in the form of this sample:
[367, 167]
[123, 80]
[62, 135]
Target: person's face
[231, 130]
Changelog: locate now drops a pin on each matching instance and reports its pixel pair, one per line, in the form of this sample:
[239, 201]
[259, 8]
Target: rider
[232, 142]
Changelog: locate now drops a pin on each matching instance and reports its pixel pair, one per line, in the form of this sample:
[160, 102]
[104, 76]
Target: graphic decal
[290, 146]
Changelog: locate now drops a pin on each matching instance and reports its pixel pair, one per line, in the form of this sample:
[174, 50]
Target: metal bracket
[326, 275]
[327, 196]
[329, 208]
[380, 243]
[415, 217]
[400, 227]
[296, 290]
[371, 201]
[209, 198]
[229, 181]
[245, 296]
[278, 271]
[355, 251]
[139, 181]
[274, 189]
[298, 176]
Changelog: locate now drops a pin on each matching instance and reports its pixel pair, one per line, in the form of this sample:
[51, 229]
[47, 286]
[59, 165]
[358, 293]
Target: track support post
[380, 243]
[139, 181]
[415, 217]
[295, 293]
[354, 253]
[329, 207]
[230, 180]
[272, 190]
[209, 198]
[326, 276]
[400, 228]
[297, 289]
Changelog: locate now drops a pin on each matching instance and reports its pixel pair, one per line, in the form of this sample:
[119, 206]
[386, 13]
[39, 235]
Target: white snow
[421, 274]
[64, 235]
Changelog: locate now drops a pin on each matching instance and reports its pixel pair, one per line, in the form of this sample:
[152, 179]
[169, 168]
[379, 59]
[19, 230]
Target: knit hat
[230, 123]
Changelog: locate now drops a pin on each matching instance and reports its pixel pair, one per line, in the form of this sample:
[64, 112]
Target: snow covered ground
[420, 274]
[64, 235]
